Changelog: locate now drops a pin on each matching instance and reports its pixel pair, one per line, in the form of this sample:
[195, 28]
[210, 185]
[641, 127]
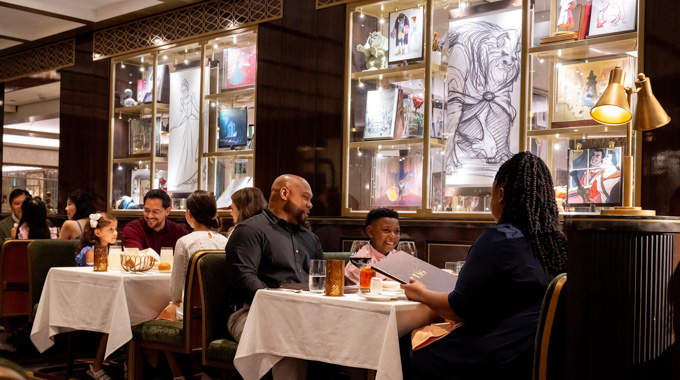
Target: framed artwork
[580, 85]
[147, 85]
[140, 136]
[406, 35]
[185, 88]
[398, 180]
[241, 66]
[612, 16]
[233, 127]
[414, 115]
[595, 177]
[383, 109]
[438, 117]
[483, 131]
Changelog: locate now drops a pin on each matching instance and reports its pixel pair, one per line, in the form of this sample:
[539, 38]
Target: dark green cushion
[160, 331]
[336, 256]
[44, 254]
[215, 286]
[222, 350]
[14, 367]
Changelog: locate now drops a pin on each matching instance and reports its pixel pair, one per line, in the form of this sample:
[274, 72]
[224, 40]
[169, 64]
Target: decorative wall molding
[329, 3]
[182, 24]
[45, 58]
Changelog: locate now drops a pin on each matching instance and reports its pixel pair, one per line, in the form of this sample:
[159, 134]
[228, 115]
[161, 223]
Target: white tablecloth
[347, 330]
[77, 298]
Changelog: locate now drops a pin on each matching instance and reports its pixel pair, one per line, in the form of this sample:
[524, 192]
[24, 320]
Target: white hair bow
[94, 219]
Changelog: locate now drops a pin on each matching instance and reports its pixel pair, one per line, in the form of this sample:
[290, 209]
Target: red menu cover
[400, 266]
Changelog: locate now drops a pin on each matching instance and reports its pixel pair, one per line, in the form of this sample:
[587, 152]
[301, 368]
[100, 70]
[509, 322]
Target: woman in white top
[202, 216]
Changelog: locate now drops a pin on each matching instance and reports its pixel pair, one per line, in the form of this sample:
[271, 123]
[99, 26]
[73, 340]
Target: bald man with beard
[271, 248]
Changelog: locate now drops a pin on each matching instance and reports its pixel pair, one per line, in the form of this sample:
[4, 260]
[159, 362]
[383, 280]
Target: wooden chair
[14, 293]
[182, 337]
[550, 354]
[219, 348]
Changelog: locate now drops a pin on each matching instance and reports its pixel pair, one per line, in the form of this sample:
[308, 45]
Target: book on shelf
[561, 37]
[401, 266]
[584, 20]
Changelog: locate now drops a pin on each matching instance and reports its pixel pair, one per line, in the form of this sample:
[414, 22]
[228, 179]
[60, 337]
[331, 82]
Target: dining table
[348, 330]
[78, 298]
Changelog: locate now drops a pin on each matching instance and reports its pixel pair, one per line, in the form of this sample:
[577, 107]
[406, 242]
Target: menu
[400, 266]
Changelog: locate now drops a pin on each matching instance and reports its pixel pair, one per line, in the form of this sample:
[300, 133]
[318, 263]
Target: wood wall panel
[83, 137]
[299, 101]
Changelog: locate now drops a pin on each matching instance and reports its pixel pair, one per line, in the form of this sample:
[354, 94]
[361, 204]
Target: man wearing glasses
[153, 230]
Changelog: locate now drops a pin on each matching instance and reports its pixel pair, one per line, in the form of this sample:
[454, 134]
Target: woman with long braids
[500, 289]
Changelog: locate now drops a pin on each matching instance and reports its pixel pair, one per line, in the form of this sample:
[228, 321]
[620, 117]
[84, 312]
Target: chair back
[550, 355]
[215, 293]
[14, 295]
[44, 254]
[193, 314]
[336, 256]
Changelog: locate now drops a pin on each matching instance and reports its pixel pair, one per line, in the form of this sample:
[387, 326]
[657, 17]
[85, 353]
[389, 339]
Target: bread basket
[134, 263]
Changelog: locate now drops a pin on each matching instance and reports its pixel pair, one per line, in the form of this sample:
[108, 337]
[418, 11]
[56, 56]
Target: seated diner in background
[153, 230]
[271, 248]
[500, 289]
[246, 203]
[79, 206]
[382, 227]
[16, 198]
[33, 223]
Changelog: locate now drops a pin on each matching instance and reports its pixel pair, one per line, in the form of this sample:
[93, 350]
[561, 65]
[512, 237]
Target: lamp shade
[612, 108]
[649, 113]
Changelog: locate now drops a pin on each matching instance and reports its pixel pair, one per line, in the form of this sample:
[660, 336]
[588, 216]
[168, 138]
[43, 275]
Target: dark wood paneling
[661, 147]
[299, 101]
[83, 135]
[2, 125]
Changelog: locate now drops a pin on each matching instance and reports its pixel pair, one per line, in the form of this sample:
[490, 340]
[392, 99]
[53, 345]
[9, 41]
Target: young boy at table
[382, 227]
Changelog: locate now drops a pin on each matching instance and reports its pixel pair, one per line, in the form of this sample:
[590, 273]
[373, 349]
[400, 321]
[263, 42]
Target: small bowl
[132, 263]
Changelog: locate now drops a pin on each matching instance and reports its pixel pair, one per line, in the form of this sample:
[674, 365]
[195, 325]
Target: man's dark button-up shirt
[264, 252]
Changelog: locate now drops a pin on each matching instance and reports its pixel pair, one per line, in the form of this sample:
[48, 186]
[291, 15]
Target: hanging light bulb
[361, 13]
[361, 84]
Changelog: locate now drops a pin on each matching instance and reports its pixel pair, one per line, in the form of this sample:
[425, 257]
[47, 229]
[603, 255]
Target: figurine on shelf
[126, 100]
[566, 18]
[375, 51]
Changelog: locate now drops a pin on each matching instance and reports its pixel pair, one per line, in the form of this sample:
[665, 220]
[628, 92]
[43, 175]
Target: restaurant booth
[222, 94]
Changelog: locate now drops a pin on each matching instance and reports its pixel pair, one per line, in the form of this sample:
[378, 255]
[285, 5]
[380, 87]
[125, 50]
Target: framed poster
[398, 180]
[382, 112]
[580, 85]
[406, 35]
[140, 136]
[595, 177]
[483, 81]
[233, 127]
[241, 66]
[612, 16]
[147, 84]
[185, 88]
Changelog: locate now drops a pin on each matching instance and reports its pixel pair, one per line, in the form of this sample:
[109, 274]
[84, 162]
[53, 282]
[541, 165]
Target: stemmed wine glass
[360, 257]
[407, 246]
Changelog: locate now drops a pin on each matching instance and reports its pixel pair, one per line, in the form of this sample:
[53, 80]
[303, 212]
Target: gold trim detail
[182, 24]
[329, 3]
[38, 60]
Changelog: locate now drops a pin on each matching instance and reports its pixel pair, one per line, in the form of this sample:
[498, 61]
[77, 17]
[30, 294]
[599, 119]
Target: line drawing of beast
[484, 64]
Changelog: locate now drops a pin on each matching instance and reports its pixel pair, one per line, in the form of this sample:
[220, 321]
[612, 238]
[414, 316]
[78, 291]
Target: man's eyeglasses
[153, 212]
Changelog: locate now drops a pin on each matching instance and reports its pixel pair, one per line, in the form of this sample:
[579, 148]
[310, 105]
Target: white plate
[377, 297]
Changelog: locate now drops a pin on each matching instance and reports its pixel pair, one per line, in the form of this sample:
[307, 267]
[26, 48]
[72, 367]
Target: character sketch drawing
[612, 13]
[187, 122]
[484, 66]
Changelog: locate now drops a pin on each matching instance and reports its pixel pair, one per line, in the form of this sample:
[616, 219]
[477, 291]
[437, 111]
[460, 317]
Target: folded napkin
[427, 335]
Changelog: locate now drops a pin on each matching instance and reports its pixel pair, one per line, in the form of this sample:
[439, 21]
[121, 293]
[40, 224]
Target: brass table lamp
[613, 108]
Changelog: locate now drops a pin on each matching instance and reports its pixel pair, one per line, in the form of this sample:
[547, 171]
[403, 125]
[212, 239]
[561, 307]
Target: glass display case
[430, 116]
[573, 48]
[185, 113]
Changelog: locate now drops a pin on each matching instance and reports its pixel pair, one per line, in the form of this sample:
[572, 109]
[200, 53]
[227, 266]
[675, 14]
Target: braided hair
[530, 206]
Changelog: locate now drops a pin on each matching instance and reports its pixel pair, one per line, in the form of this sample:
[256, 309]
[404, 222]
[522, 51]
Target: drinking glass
[449, 266]
[457, 267]
[101, 259]
[166, 255]
[317, 276]
[407, 246]
[360, 257]
[114, 257]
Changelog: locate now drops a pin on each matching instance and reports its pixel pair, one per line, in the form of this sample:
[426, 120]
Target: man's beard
[295, 211]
